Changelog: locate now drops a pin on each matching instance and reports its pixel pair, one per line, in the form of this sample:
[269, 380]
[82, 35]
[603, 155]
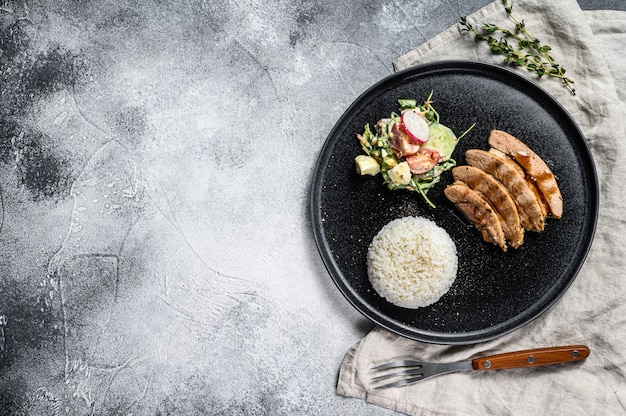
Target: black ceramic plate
[495, 292]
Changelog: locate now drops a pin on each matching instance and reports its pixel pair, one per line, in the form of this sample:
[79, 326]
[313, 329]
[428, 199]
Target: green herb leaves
[519, 47]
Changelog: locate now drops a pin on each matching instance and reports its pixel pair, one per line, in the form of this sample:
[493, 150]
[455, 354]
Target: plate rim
[450, 338]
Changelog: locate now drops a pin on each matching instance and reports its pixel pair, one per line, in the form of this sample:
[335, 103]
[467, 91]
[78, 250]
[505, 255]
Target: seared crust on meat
[534, 167]
[528, 205]
[478, 211]
[531, 184]
[497, 196]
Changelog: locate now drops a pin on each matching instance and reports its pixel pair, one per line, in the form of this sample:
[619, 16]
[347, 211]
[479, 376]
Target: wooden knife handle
[532, 358]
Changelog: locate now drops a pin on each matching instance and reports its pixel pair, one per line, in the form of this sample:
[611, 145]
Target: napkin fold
[593, 311]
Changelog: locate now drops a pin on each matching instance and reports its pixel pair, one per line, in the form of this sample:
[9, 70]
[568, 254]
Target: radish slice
[423, 161]
[415, 126]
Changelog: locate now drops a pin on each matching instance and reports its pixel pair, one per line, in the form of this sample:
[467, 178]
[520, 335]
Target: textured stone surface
[156, 158]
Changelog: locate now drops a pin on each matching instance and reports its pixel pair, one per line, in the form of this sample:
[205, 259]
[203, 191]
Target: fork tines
[411, 373]
[397, 364]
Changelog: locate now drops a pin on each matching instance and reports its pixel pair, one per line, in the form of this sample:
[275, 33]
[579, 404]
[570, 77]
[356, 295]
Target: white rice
[412, 262]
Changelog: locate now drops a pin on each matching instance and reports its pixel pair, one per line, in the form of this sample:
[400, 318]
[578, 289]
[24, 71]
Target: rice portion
[412, 262]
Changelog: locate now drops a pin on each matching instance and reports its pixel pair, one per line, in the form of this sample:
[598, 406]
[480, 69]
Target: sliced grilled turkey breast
[478, 211]
[528, 205]
[497, 196]
[531, 184]
[533, 165]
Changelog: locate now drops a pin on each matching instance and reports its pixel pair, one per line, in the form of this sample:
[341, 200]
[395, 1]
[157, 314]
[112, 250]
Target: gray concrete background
[155, 160]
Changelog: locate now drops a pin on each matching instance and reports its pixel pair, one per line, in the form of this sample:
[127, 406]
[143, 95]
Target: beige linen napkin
[593, 311]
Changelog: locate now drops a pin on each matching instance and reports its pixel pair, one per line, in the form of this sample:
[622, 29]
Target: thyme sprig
[529, 53]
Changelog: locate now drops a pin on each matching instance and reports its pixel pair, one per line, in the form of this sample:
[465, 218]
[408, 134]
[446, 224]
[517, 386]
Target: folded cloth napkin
[593, 311]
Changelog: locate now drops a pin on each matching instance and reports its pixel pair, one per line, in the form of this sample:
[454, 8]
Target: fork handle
[532, 358]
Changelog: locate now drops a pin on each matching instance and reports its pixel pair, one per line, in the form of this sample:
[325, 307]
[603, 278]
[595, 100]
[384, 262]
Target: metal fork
[413, 371]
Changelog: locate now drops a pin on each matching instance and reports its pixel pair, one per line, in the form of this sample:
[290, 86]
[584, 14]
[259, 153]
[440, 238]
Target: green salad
[410, 149]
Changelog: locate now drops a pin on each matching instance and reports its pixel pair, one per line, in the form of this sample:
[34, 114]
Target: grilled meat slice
[477, 211]
[528, 206]
[497, 196]
[531, 184]
[534, 167]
